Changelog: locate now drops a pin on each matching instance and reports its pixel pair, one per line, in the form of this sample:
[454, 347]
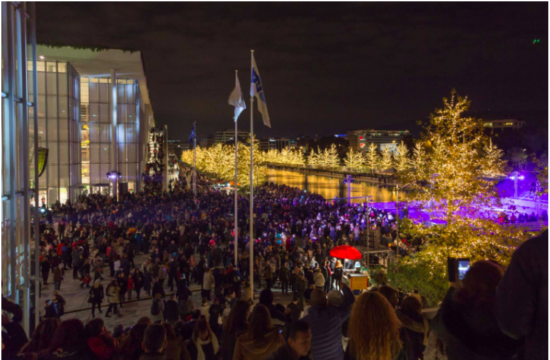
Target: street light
[114, 176]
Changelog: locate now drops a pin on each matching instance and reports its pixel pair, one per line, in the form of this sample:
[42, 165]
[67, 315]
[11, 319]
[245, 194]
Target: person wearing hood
[326, 324]
[204, 343]
[318, 279]
[416, 325]
[100, 343]
[261, 339]
[466, 321]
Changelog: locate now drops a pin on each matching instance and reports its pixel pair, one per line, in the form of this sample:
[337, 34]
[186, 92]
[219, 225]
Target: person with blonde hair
[375, 331]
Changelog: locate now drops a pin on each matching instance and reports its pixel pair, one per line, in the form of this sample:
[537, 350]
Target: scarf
[199, 343]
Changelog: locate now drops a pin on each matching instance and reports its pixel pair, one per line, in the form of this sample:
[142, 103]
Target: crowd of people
[188, 240]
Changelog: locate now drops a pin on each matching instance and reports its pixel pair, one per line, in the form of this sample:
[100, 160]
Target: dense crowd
[188, 239]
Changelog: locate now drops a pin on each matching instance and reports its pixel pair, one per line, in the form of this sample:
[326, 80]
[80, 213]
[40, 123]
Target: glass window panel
[94, 153]
[131, 153]
[52, 174]
[51, 66]
[85, 154]
[63, 107]
[120, 134]
[104, 154]
[94, 174]
[120, 93]
[62, 78]
[94, 112]
[104, 113]
[131, 114]
[105, 168]
[52, 106]
[121, 114]
[52, 129]
[104, 93]
[105, 130]
[130, 94]
[51, 83]
[131, 172]
[41, 106]
[94, 132]
[130, 133]
[85, 170]
[64, 176]
[121, 155]
[62, 67]
[52, 153]
[30, 81]
[41, 77]
[64, 153]
[41, 129]
[93, 92]
[63, 130]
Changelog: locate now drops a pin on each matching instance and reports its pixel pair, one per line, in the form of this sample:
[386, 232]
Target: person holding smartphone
[466, 322]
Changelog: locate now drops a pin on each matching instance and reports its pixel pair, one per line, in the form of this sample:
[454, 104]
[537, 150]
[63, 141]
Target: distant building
[267, 144]
[176, 147]
[503, 124]
[206, 142]
[360, 140]
[229, 135]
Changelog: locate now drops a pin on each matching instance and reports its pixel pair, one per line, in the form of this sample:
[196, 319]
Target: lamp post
[114, 176]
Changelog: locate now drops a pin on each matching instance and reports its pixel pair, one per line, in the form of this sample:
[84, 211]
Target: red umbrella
[346, 252]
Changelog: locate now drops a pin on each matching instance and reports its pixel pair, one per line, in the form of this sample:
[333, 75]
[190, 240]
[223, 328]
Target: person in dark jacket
[522, 297]
[235, 325]
[69, 342]
[414, 324]
[100, 343]
[171, 310]
[466, 321]
[298, 344]
[157, 288]
[96, 297]
[137, 276]
[326, 324]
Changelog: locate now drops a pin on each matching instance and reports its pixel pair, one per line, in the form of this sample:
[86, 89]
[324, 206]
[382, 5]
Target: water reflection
[329, 187]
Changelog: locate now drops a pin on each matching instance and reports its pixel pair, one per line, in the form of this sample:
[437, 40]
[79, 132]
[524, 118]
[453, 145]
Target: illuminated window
[509, 124]
[488, 124]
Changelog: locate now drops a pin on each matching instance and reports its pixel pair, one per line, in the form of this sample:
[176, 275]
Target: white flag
[257, 90]
[236, 98]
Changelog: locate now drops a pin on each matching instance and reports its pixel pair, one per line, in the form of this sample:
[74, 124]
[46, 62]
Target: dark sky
[326, 67]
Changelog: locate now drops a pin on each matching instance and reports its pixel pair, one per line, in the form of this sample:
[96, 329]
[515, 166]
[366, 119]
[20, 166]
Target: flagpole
[195, 160]
[236, 196]
[251, 236]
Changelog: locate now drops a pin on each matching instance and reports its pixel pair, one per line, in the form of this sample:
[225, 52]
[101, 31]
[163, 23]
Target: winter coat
[326, 327]
[175, 349]
[318, 278]
[113, 294]
[249, 349]
[522, 297]
[103, 346]
[171, 311]
[471, 334]
[229, 340]
[208, 281]
[72, 352]
[416, 326]
[285, 353]
[96, 295]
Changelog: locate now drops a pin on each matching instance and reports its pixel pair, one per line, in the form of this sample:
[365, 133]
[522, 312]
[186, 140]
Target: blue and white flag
[193, 135]
[256, 89]
[236, 98]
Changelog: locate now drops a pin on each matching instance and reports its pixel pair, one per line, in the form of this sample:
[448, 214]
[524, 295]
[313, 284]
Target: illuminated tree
[494, 165]
[372, 158]
[314, 158]
[386, 162]
[401, 160]
[354, 160]
[329, 158]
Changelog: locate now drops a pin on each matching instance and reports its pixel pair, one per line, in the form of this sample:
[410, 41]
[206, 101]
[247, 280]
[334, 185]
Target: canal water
[328, 187]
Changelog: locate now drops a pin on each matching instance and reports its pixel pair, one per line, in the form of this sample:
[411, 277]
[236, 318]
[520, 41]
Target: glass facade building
[18, 163]
[58, 86]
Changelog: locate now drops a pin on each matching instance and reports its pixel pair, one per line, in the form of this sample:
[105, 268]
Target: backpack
[155, 308]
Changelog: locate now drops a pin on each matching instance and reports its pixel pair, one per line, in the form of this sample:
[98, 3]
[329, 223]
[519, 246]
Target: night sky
[326, 67]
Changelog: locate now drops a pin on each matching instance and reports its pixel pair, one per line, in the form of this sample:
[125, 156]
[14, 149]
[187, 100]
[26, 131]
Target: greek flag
[236, 98]
[256, 89]
[193, 135]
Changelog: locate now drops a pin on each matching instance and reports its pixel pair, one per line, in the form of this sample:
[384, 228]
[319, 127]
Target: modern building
[20, 167]
[503, 124]
[282, 143]
[229, 135]
[206, 141]
[111, 121]
[360, 140]
[176, 147]
[267, 144]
